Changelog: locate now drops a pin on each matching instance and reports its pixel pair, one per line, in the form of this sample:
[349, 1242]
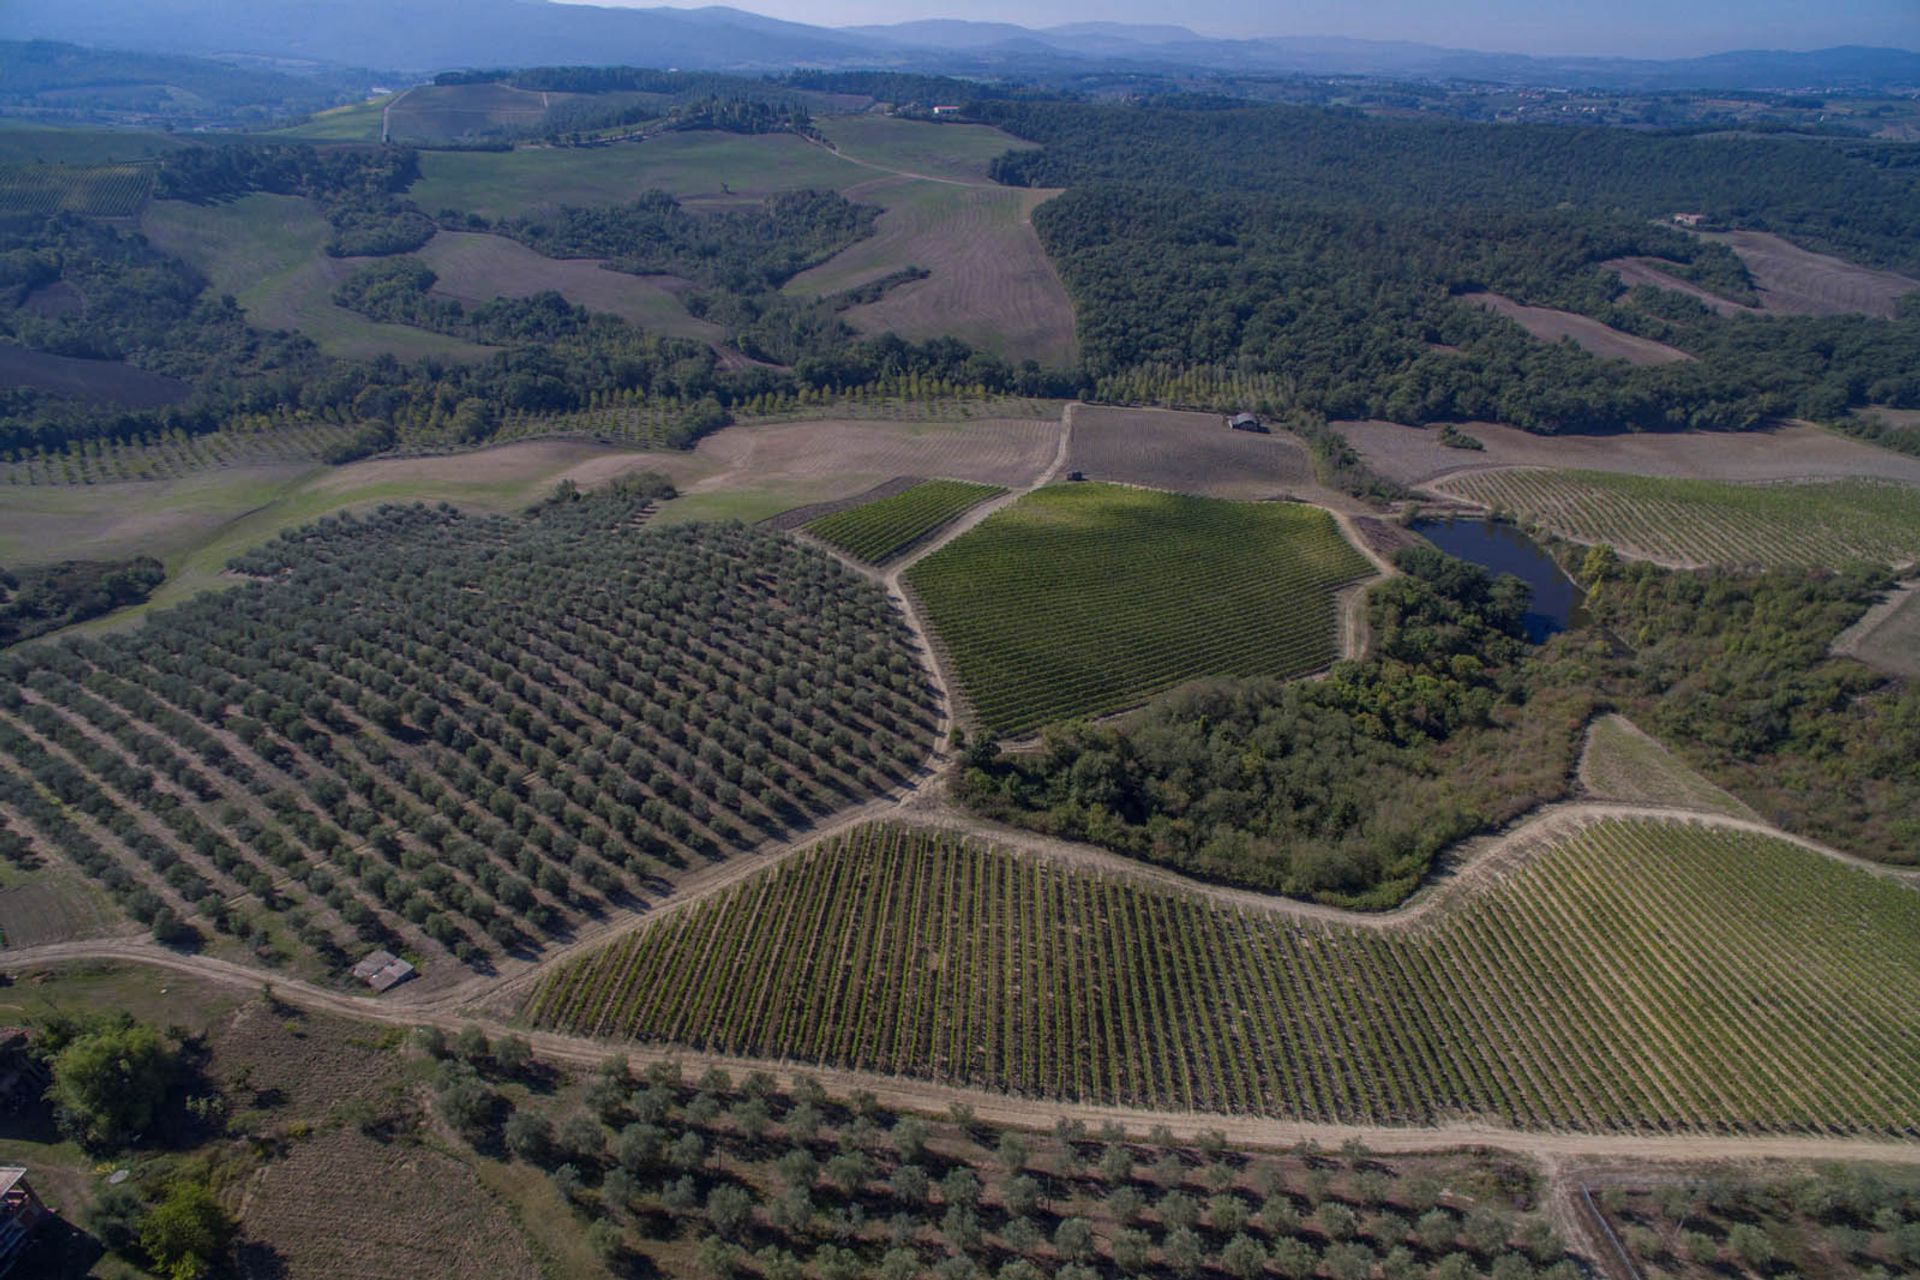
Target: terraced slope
[880, 530]
[1081, 599]
[1636, 975]
[1702, 522]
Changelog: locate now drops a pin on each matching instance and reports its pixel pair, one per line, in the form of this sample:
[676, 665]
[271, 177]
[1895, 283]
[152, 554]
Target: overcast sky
[1635, 28]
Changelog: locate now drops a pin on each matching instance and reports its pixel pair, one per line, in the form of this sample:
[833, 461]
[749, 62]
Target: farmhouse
[945, 111]
[382, 970]
[1689, 219]
[21, 1213]
[1246, 422]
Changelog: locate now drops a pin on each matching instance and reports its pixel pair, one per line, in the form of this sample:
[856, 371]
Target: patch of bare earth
[1551, 325]
[293, 1065]
[1887, 637]
[1414, 455]
[1004, 451]
[1651, 271]
[343, 1204]
[1187, 453]
[1799, 282]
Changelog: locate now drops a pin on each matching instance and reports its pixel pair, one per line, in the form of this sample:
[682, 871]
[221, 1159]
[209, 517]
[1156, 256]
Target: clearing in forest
[1633, 975]
[1799, 282]
[1888, 636]
[1083, 599]
[1703, 522]
[1185, 452]
[1625, 764]
[1552, 325]
[879, 531]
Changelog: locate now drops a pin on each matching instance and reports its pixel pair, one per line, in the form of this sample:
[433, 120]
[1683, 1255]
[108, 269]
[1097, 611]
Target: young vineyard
[441, 734]
[1087, 598]
[1638, 975]
[98, 191]
[1706, 522]
[878, 531]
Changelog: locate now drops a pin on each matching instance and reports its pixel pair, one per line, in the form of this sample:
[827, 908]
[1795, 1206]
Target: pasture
[1625, 978]
[883, 529]
[1187, 453]
[949, 152]
[268, 252]
[1798, 282]
[1704, 522]
[435, 113]
[1551, 325]
[1084, 599]
[355, 122]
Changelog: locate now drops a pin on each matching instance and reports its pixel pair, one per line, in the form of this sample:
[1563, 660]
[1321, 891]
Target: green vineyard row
[1633, 977]
[881, 530]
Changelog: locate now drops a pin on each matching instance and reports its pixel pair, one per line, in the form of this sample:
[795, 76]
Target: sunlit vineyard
[100, 191]
[1628, 978]
[878, 531]
[1087, 598]
[165, 455]
[453, 735]
[1702, 522]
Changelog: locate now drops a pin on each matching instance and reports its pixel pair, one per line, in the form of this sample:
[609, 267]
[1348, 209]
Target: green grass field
[1082, 599]
[700, 166]
[956, 152]
[878, 531]
[1701, 522]
[355, 122]
[25, 142]
[268, 252]
[1628, 978]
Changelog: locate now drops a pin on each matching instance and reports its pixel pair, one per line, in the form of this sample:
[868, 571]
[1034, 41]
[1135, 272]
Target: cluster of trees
[358, 188]
[1185, 246]
[44, 598]
[1343, 789]
[786, 1184]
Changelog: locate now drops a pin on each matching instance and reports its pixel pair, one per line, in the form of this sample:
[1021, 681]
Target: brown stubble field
[1652, 271]
[1798, 451]
[1550, 325]
[1796, 281]
[1186, 453]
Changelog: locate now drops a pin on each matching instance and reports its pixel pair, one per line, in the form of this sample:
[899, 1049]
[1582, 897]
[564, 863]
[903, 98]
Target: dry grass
[1550, 325]
[856, 455]
[1414, 455]
[1795, 281]
[1622, 763]
[1185, 452]
[474, 268]
[345, 1205]
[1888, 637]
[55, 908]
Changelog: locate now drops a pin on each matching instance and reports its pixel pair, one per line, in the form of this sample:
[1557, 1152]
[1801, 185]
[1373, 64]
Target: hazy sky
[1637, 28]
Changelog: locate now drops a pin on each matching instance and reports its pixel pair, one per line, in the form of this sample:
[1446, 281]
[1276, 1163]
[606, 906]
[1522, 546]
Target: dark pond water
[1558, 603]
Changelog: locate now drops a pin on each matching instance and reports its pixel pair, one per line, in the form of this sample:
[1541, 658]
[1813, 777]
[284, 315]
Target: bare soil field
[1888, 637]
[1905, 420]
[422, 1214]
[1799, 282]
[1550, 325]
[856, 455]
[1187, 453]
[1415, 456]
[102, 381]
[474, 267]
[1637, 271]
[991, 283]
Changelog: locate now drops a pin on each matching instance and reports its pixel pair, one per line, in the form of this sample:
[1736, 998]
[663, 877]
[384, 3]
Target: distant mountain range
[433, 35]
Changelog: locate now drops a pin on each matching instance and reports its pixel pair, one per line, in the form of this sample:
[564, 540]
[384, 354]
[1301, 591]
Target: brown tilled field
[991, 283]
[345, 1205]
[102, 381]
[1550, 325]
[1186, 453]
[1414, 455]
[474, 267]
[857, 455]
[1637, 271]
[1796, 281]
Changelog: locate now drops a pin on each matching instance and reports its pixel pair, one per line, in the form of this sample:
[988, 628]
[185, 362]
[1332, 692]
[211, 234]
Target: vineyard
[1702, 522]
[878, 531]
[169, 455]
[453, 735]
[99, 191]
[1637, 975]
[1087, 598]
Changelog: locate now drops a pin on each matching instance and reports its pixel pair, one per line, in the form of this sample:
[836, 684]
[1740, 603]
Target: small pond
[1558, 602]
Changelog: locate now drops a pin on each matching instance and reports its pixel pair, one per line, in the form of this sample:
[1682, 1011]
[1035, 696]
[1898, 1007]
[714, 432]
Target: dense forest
[1339, 266]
